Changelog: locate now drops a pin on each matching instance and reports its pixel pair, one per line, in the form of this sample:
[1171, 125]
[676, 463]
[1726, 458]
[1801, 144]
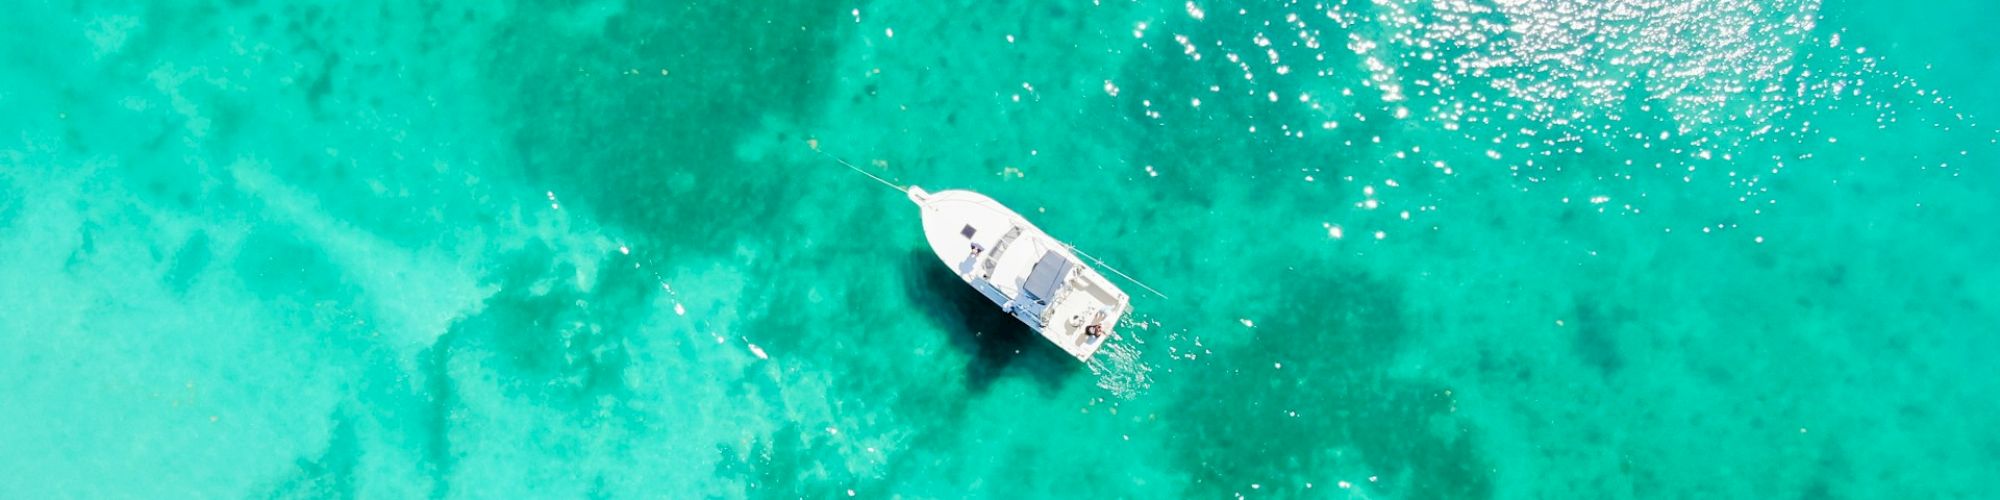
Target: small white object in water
[1247, 323]
[680, 310]
[759, 352]
[625, 250]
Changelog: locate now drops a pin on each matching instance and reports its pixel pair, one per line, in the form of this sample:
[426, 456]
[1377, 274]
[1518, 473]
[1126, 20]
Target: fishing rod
[1114, 270]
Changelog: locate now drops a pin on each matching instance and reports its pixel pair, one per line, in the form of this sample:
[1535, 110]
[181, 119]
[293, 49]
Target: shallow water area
[1507, 249]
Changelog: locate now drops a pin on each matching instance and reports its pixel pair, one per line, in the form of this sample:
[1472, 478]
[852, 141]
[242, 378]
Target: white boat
[1027, 273]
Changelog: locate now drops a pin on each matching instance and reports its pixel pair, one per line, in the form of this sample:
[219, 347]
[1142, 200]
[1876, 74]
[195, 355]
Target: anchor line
[1114, 270]
[851, 166]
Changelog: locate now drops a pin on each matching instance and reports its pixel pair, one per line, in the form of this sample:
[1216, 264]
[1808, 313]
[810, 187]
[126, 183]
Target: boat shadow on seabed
[995, 341]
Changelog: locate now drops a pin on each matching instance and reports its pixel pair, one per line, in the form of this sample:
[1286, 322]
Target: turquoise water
[1513, 249]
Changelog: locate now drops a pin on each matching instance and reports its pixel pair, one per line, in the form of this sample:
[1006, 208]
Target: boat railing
[1000, 247]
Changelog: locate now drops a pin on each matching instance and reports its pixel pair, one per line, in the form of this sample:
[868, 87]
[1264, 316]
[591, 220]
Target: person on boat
[971, 264]
[1093, 331]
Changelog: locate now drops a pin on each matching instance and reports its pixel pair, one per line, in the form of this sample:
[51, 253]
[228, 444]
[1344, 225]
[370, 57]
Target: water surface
[1514, 249]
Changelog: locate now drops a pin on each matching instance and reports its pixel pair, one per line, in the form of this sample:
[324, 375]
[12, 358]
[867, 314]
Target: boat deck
[1085, 301]
[1023, 270]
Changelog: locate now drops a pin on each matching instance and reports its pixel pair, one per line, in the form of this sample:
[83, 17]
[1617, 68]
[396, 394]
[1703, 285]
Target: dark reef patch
[10, 196]
[792, 463]
[619, 145]
[332, 473]
[188, 262]
[1340, 328]
[550, 336]
[1595, 342]
[560, 337]
[440, 398]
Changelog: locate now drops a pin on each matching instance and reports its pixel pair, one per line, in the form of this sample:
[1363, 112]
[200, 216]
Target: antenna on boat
[1114, 270]
[814, 143]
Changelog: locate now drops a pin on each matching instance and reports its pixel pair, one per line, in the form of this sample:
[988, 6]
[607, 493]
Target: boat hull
[1021, 269]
